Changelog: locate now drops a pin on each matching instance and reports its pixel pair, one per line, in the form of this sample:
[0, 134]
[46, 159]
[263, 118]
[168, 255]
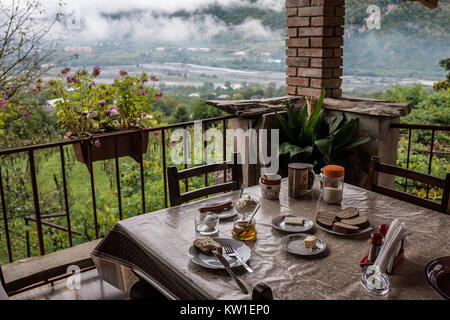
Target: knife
[228, 268]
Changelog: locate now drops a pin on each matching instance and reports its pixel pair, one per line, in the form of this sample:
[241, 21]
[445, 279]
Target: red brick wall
[314, 47]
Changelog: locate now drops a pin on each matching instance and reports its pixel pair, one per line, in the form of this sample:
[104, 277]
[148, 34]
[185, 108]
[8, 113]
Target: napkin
[392, 245]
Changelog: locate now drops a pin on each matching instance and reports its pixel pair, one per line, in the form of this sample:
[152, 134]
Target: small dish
[246, 204]
[360, 232]
[227, 213]
[211, 262]
[279, 224]
[293, 243]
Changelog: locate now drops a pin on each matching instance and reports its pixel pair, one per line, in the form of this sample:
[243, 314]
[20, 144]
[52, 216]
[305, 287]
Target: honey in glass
[243, 230]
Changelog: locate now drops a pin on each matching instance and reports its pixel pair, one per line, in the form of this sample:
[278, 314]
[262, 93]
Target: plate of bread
[201, 252]
[292, 223]
[303, 244]
[346, 222]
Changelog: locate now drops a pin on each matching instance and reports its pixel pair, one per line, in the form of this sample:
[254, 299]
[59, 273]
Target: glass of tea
[244, 229]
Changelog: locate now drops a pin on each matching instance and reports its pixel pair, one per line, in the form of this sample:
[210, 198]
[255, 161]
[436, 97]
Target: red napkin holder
[397, 261]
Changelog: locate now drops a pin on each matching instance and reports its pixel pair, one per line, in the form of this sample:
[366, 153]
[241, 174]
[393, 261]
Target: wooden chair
[375, 166]
[174, 177]
[3, 294]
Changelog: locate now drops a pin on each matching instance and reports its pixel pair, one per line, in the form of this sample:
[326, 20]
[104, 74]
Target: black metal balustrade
[431, 152]
[39, 218]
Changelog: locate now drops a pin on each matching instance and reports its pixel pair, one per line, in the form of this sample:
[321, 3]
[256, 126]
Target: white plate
[362, 231]
[278, 223]
[293, 243]
[227, 214]
[211, 262]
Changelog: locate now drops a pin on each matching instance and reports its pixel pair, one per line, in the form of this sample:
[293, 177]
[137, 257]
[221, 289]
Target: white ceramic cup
[270, 186]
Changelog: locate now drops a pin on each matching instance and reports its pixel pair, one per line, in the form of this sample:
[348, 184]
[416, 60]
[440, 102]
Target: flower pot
[129, 143]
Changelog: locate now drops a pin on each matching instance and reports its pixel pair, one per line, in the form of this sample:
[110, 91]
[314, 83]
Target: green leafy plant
[85, 108]
[314, 140]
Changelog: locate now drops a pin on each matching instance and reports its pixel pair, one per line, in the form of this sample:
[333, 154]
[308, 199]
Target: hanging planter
[130, 143]
[108, 117]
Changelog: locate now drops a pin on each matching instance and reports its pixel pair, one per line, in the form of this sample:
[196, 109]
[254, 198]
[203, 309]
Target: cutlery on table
[228, 268]
[230, 252]
[253, 214]
[242, 190]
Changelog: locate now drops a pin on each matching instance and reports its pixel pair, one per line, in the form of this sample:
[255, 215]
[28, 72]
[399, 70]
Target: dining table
[155, 247]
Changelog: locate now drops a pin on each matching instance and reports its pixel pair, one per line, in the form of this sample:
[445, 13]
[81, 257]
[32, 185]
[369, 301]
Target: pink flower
[158, 95]
[114, 112]
[102, 103]
[72, 79]
[123, 73]
[26, 114]
[107, 112]
[97, 143]
[173, 143]
[156, 133]
[113, 107]
[144, 92]
[96, 71]
[155, 79]
[4, 103]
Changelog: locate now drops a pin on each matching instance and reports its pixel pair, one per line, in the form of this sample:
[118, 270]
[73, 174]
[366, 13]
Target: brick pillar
[314, 47]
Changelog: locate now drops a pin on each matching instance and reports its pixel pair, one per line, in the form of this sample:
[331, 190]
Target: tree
[22, 53]
[443, 84]
[181, 114]
[200, 110]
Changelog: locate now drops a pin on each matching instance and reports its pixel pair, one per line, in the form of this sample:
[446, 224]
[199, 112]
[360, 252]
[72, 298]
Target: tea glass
[244, 229]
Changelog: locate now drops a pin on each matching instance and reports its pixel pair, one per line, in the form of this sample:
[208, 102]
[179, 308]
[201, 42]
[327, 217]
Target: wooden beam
[432, 4]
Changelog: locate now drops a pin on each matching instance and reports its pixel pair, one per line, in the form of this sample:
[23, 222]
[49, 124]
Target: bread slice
[344, 228]
[207, 245]
[347, 213]
[360, 222]
[325, 219]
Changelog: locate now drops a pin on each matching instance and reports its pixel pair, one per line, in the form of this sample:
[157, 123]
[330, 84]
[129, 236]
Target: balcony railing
[410, 128]
[40, 219]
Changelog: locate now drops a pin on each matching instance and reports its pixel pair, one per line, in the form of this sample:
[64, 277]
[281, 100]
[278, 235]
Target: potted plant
[92, 111]
[311, 139]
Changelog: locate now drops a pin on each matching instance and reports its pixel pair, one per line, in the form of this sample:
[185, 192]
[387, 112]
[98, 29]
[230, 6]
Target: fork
[231, 253]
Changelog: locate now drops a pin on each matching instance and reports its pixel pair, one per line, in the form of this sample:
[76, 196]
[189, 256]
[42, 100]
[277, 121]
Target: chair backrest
[375, 166]
[3, 294]
[174, 177]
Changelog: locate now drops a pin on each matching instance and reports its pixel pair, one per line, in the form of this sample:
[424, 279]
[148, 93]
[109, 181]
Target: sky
[92, 20]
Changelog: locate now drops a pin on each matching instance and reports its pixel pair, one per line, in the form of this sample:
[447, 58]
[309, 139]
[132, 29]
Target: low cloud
[109, 20]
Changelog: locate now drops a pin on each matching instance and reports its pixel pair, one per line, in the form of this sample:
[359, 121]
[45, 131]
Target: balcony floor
[92, 288]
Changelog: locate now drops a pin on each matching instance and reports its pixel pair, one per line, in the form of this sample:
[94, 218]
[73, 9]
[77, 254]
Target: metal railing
[39, 218]
[431, 152]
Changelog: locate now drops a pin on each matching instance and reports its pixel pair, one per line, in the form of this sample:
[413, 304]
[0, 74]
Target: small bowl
[249, 210]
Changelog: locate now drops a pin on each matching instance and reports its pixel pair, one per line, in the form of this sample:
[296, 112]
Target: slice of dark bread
[347, 213]
[344, 228]
[207, 245]
[325, 219]
[360, 222]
